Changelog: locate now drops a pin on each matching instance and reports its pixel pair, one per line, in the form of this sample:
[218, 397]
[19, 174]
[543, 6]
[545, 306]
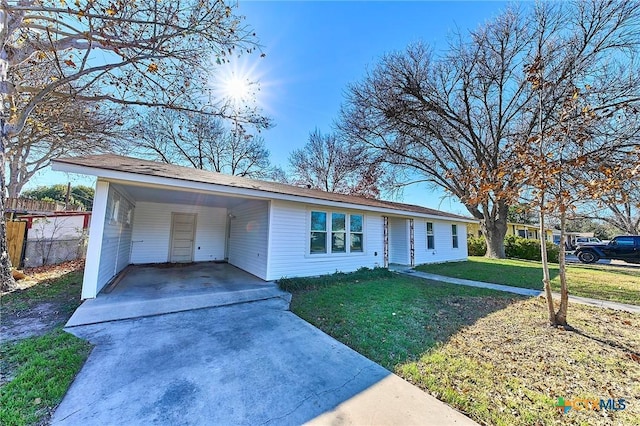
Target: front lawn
[616, 284]
[489, 354]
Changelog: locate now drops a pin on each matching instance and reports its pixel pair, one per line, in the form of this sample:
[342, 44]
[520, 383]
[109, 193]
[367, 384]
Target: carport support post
[94, 248]
[412, 246]
[385, 224]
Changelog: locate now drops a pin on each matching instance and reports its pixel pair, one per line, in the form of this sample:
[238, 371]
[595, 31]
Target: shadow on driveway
[251, 363]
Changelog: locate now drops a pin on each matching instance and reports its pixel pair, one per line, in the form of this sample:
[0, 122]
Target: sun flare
[238, 83]
[237, 88]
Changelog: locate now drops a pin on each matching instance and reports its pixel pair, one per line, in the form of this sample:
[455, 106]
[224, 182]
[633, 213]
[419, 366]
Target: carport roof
[162, 170]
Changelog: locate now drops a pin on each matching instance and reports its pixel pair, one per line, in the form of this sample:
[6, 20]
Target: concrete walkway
[635, 309]
[243, 364]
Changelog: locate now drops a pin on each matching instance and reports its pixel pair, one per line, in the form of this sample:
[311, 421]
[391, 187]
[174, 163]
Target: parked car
[581, 241]
[623, 247]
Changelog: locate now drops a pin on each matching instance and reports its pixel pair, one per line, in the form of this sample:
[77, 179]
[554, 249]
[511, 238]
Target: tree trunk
[561, 315]
[494, 229]
[546, 278]
[7, 282]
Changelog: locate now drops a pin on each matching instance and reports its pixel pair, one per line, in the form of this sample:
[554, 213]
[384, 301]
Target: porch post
[386, 241]
[94, 248]
[412, 247]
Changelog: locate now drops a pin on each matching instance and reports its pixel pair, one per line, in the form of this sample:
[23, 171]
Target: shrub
[309, 283]
[477, 246]
[523, 248]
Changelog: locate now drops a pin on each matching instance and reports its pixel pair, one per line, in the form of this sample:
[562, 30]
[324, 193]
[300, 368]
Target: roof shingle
[151, 168]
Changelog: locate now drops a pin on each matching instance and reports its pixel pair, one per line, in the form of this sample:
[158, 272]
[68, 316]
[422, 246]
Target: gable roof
[151, 168]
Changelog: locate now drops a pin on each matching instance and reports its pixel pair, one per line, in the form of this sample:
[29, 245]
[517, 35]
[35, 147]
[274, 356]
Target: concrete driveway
[250, 363]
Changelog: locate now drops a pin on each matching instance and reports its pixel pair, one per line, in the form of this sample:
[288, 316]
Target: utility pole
[66, 197]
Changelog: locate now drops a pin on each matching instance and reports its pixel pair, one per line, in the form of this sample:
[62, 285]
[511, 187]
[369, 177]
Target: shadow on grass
[391, 318]
[632, 353]
[38, 309]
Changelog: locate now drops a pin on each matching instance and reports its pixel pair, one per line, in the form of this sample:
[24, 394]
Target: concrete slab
[160, 289]
[634, 309]
[252, 363]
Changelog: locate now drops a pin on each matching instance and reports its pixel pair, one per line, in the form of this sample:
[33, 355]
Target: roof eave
[109, 174]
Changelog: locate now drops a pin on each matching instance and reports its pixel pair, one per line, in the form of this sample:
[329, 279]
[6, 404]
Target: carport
[138, 223]
[147, 290]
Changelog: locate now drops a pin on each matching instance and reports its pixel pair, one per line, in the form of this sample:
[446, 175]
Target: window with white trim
[335, 232]
[355, 233]
[454, 236]
[318, 232]
[338, 232]
[431, 243]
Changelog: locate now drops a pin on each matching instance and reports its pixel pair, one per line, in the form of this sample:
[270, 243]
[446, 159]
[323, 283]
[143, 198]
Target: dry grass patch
[509, 368]
[489, 354]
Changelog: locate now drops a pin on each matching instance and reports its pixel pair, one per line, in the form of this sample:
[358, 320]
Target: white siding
[56, 227]
[444, 251]
[399, 241]
[248, 237]
[116, 237]
[152, 232]
[289, 243]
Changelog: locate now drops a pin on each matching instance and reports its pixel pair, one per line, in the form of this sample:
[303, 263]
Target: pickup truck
[623, 247]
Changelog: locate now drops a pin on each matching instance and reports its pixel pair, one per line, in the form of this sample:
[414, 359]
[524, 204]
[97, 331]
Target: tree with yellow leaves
[136, 53]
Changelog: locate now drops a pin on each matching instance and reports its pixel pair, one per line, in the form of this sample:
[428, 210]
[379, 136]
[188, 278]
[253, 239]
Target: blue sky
[315, 49]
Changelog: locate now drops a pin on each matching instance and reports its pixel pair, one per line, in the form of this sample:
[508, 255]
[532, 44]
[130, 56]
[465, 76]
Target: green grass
[488, 354]
[308, 283]
[64, 290]
[605, 283]
[382, 316]
[39, 370]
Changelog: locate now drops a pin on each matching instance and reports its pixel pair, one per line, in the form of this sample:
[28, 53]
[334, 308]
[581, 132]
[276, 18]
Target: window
[318, 232]
[624, 241]
[355, 232]
[338, 232]
[330, 230]
[454, 236]
[431, 244]
[115, 211]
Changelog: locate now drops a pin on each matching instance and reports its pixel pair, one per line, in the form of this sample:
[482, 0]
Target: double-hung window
[335, 232]
[318, 232]
[338, 232]
[431, 244]
[355, 233]
[454, 236]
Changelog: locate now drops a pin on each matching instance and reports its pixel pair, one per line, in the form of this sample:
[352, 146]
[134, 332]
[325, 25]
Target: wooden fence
[16, 236]
[27, 205]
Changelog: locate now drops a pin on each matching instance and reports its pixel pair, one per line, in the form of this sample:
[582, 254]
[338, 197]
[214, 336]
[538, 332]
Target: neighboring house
[55, 237]
[531, 232]
[148, 212]
[44, 233]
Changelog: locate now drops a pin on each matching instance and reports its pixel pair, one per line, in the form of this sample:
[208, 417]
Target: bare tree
[142, 53]
[452, 119]
[618, 206]
[54, 129]
[200, 141]
[330, 163]
[457, 119]
[585, 82]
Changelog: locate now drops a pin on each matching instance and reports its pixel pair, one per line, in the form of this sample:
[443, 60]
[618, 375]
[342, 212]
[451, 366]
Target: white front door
[183, 231]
